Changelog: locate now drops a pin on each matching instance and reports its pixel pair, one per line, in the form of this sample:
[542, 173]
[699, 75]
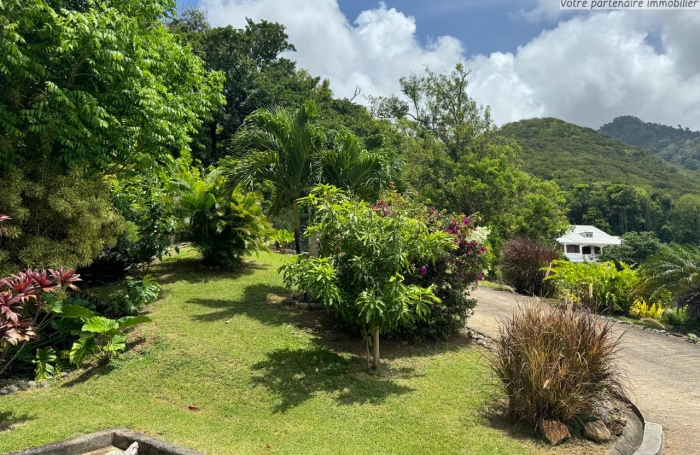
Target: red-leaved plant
[22, 304]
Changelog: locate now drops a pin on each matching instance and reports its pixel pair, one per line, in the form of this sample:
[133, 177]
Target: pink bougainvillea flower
[423, 270]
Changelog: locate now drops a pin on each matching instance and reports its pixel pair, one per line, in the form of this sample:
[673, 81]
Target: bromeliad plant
[364, 259]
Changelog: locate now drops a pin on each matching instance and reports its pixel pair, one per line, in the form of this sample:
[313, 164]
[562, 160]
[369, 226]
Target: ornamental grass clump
[556, 364]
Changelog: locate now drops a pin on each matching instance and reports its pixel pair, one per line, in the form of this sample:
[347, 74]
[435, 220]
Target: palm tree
[675, 271]
[282, 146]
[351, 167]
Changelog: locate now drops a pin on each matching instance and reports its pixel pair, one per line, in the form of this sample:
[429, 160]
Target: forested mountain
[679, 146]
[571, 155]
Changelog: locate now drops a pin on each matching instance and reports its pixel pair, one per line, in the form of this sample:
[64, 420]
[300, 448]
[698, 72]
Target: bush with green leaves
[556, 364]
[224, 224]
[523, 264]
[598, 286]
[139, 293]
[364, 261]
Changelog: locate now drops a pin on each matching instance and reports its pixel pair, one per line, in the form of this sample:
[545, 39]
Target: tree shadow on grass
[262, 302]
[192, 271]
[8, 420]
[296, 375]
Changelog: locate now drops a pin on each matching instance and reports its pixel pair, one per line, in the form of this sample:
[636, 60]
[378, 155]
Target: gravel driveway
[664, 371]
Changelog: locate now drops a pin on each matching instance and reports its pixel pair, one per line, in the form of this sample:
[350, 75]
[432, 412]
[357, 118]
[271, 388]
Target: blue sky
[528, 59]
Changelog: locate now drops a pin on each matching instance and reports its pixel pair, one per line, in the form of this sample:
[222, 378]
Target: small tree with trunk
[363, 260]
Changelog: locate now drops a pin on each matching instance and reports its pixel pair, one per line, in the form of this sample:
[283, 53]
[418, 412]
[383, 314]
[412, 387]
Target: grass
[225, 368]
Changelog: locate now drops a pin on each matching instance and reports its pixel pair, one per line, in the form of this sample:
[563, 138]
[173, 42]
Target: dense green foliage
[256, 77]
[524, 264]
[636, 248]
[286, 150]
[679, 146]
[88, 89]
[557, 365]
[597, 286]
[455, 160]
[57, 219]
[620, 208]
[571, 155]
[363, 263]
[224, 224]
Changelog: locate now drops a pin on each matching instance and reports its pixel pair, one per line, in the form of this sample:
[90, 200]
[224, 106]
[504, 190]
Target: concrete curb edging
[653, 442]
[120, 438]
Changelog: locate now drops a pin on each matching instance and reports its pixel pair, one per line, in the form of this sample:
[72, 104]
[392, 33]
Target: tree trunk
[375, 349]
[297, 226]
[212, 133]
[313, 239]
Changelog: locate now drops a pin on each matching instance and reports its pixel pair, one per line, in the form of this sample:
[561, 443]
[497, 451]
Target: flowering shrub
[451, 273]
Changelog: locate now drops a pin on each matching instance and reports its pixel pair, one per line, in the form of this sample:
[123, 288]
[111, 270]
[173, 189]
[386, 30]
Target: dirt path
[664, 371]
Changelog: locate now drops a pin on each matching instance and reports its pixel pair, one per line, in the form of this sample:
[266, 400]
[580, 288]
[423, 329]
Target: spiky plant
[675, 271]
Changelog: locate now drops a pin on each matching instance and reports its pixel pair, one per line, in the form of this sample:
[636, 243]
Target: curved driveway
[664, 371]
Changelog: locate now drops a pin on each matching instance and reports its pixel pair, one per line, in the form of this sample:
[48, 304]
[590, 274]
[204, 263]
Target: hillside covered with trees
[612, 185]
[679, 146]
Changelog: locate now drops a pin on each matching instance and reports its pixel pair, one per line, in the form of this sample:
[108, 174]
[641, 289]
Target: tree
[290, 151]
[278, 146]
[88, 89]
[348, 165]
[636, 248]
[685, 219]
[365, 258]
[256, 74]
[454, 157]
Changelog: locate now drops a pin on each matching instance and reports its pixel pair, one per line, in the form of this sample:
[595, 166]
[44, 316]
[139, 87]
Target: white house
[585, 243]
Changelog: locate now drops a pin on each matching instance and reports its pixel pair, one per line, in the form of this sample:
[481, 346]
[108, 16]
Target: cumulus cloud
[587, 70]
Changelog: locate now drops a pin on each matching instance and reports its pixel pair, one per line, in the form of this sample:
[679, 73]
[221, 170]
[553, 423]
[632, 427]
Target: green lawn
[266, 378]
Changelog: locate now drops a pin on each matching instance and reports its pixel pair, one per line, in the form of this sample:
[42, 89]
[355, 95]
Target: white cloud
[587, 70]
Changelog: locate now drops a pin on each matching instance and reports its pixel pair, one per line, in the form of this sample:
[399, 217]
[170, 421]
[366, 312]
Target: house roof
[588, 235]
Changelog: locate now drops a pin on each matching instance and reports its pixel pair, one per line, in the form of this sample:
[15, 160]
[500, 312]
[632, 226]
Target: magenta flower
[465, 220]
[480, 277]
[423, 270]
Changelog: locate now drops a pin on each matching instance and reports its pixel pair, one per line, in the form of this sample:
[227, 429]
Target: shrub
[678, 318]
[58, 218]
[556, 364]
[642, 309]
[598, 286]
[522, 264]
[223, 224]
[636, 248]
[138, 294]
[363, 264]
[27, 303]
[451, 274]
